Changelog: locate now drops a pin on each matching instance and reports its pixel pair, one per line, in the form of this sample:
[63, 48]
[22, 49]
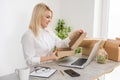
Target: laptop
[83, 61]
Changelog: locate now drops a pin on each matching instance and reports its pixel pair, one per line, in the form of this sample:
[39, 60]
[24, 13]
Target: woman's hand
[54, 55]
[51, 57]
[80, 31]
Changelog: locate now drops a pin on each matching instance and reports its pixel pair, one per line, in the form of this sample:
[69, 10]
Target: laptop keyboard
[79, 62]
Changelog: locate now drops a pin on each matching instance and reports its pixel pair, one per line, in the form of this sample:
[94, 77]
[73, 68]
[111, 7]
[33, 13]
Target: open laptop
[81, 62]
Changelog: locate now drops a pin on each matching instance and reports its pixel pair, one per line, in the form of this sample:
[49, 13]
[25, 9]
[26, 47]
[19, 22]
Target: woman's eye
[48, 17]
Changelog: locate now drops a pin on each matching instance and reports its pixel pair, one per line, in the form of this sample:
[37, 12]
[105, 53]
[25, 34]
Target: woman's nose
[49, 20]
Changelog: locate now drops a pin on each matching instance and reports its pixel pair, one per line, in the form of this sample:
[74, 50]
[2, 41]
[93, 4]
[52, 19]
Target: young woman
[38, 42]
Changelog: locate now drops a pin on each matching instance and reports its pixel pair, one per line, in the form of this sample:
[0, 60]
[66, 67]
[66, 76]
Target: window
[114, 19]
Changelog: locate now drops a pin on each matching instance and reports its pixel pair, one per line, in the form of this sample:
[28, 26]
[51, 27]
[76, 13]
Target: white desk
[91, 72]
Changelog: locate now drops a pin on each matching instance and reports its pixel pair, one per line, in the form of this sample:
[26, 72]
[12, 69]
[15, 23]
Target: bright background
[15, 17]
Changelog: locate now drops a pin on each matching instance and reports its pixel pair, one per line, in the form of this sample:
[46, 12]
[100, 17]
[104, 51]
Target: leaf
[78, 50]
[62, 30]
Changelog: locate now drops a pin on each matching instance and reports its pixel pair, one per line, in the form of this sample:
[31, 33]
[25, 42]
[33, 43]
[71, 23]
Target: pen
[61, 72]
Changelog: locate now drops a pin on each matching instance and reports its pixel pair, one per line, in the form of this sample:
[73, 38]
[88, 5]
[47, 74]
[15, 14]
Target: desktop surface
[90, 72]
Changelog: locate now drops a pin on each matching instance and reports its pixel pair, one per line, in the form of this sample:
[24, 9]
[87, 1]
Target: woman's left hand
[80, 31]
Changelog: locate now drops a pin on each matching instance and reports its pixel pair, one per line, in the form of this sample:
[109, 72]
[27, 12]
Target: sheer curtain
[114, 19]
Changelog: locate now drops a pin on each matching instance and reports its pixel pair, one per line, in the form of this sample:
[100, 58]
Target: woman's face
[45, 19]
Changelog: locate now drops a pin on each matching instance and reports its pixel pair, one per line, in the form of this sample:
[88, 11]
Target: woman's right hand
[54, 55]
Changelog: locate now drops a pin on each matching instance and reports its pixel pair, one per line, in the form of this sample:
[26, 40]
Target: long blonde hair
[35, 22]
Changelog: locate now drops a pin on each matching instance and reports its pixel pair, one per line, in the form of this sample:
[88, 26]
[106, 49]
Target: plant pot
[102, 56]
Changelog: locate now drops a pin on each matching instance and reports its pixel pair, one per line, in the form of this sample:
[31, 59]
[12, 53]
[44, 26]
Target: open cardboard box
[74, 43]
[112, 47]
[87, 45]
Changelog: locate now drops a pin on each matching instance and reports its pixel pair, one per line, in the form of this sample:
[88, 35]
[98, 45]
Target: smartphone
[71, 73]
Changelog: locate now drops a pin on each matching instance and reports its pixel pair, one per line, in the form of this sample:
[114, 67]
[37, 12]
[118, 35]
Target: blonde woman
[38, 42]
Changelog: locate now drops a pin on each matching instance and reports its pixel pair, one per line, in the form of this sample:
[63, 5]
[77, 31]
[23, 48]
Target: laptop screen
[79, 62]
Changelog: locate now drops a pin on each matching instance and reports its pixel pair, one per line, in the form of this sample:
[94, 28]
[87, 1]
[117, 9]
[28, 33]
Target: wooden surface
[91, 72]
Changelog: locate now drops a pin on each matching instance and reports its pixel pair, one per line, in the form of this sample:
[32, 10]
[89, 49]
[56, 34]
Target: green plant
[78, 50]
[102, 56]
[62, 30]
[101, 59]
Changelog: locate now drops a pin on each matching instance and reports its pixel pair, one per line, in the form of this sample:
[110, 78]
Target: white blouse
[43, 45]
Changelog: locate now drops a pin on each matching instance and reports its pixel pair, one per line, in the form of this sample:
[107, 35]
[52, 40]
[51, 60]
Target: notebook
[81, 62]
[43, 72]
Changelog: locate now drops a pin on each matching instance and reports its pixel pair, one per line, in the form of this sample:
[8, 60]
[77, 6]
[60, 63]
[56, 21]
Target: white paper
[43, 72]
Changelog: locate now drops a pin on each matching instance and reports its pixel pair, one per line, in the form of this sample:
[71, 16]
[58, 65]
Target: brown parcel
[78, 38]
[87, 45]
[117, 38]
[112, 47]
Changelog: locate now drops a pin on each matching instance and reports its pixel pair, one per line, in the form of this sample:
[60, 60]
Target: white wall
[79, 14]
[14, 20]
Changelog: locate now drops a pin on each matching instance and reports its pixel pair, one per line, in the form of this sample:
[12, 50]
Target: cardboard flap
[112, 43]
[117, 38]
[90, 42]
[62, 54]
[77, 40]
[74, 39]
[63, 49]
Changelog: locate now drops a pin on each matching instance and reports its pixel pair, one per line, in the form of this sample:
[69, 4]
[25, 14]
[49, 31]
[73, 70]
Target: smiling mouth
[47, 23]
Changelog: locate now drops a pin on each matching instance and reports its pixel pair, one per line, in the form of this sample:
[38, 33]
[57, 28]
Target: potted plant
[101, 59]
[78, 50]
[62, 30]
[102, 56]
